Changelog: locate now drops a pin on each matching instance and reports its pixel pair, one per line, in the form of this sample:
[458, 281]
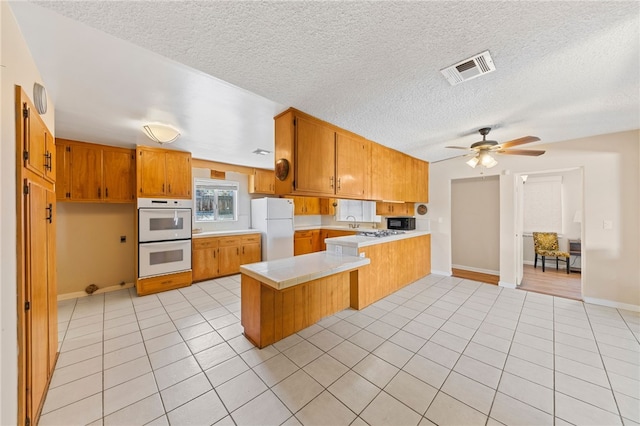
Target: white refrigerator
[273, 217]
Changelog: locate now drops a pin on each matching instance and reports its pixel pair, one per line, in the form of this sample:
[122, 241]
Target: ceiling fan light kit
[484, 148]
[161, 133]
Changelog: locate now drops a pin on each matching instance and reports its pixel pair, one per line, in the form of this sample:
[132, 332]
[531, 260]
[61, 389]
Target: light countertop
[357, 241]
[335, 228]
[224, 233]
[284, 273]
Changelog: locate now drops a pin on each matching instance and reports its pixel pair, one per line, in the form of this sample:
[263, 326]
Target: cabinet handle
[99, 192]
[47, 161]
[49, 212]
[338, 184]
[331, 185]
[163, 187]
[106, 193]
[169, 188]
[214, 253]
[237, 250]
[242, 249]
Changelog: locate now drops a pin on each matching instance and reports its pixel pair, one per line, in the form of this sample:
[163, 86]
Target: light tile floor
[440, 351]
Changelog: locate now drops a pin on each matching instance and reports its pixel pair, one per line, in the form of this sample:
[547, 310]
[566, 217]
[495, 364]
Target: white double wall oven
[164, 236]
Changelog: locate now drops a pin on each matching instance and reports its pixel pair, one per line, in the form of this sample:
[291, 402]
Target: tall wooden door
[37, 297]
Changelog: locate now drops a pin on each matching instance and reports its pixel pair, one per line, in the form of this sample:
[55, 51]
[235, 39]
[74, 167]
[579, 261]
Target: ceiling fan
[482, 150]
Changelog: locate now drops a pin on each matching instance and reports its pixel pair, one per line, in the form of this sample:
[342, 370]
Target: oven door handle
[167, 211]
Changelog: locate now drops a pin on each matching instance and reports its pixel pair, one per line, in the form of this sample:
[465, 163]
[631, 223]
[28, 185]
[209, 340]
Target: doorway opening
[550, 201]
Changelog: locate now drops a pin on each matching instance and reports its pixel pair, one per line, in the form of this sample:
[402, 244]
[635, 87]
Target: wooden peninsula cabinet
[163, 173]
[94, 173]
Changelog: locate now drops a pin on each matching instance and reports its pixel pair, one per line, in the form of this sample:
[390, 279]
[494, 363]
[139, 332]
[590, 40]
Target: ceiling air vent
[469, 68]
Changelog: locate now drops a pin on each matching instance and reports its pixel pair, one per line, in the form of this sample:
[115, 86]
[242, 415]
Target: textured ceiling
[564, 70]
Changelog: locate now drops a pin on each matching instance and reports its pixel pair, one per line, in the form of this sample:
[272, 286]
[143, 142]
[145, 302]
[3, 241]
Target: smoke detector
[468, 69]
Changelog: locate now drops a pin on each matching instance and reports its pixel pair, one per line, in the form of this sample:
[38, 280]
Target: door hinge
[25, 111]
[68, 149]
[25, 155]
[27, 306]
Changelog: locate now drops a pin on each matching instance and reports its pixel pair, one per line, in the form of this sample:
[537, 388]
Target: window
[215, 200]
[363, 211]
[543, 204]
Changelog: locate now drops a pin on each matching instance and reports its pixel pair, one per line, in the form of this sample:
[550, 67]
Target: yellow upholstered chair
[546, 244]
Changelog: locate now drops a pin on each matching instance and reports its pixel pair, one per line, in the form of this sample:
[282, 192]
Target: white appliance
[273, 217]
[164, 236]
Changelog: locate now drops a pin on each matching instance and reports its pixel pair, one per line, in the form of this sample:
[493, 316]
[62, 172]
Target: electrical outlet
[607, 224]
[339, 250]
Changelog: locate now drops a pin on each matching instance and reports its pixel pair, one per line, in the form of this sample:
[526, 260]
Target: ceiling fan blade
[458, 147]
[519, 141]
[529, 152]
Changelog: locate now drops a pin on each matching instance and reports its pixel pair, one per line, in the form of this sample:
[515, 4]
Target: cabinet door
[52, 286]
[50, 154]
[34, 143]
[179, 174]
[352, 166]
[303, 244]
[204, 263]
[229, 260]
[251, 250]
[151, 171]
[328, 206]
[204, 258]
[37, 317]
[382, 174]
[315, 157]
[311, 205]
[86, 173]
[62, 166]
[118, 175]
[262, 182]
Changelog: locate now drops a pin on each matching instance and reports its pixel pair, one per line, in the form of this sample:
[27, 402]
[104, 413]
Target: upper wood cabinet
[38, 149]
[163, 173]
[262, 182]
[325, 160]
[305, 205]
[94, 173]
[353, 167]
[395, 209]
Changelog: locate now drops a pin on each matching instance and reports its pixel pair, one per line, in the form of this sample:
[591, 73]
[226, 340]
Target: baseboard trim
[611, 304]
[77, 294]
[475, 276]
[506, 285]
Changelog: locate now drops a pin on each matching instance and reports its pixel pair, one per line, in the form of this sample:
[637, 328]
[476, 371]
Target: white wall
[610, 271]
[17, 68]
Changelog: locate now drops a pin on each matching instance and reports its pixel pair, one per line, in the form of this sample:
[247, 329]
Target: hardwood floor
[555, 283]
[476, 276]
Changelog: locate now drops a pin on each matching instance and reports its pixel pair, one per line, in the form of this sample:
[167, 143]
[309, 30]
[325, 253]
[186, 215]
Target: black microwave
[401, 223]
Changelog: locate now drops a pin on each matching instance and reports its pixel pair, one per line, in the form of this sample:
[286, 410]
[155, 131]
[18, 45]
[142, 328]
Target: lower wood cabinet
[219, 256]
[312, 240]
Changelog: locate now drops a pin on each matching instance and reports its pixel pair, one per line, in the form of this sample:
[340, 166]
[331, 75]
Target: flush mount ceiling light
[161, 133]
[261, 151]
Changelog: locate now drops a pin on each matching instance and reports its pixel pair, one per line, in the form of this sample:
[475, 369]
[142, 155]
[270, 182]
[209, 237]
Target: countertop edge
[361, 241]
[351, 263]
[228, 233]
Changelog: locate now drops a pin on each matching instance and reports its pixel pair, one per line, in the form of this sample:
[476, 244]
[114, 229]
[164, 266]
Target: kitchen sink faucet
[353, 225]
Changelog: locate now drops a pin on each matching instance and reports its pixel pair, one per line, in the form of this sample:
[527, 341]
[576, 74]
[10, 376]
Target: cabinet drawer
[229, 241]
[163, 283]
[204, 243]
[303, 234]
[251, 239]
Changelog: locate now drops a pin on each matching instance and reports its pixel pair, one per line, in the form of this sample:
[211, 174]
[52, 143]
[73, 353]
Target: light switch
[607, 224]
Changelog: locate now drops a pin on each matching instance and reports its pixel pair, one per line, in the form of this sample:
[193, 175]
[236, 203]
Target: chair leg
[556, 263]
[543, 263]
[535, 261]
[567, 260]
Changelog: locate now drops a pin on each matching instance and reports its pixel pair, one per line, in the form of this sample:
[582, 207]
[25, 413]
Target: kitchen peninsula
[284, 296]
[281, 297]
